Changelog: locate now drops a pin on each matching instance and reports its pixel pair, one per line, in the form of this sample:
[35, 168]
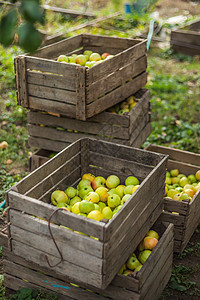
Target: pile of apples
[124, 107]
[87, 59]
[96, 198]
[181, 187]
[138, 258]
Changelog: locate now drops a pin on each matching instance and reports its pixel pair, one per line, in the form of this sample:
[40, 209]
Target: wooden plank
[119, 165]
[3, 239]
[118, 61]
[70, 12]
[80, 94]
[115, 79]
[51, 80]
[184, 168]
[117, 95]
[128, 153]
[85, 156]
[176, 206]
[175, 219]
[45, 244]
[52, 106]
[143, 135]
[49, 93]
[61, 47]
[176, 154]
[21, 81]
[47, 144]
[32, 179]
[51, 180]
[44, 211]
[72, 124]
[142, 121]
[185, 36]
[75, 240]
[185, 48]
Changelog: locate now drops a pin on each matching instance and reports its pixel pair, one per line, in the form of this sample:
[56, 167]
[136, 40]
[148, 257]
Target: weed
[190, 250]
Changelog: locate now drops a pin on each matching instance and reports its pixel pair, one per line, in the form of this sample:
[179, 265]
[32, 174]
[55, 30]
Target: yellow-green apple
[120, 190]
[59, 196]
[125, 198]
[64, 206]
[138, 268]
[83, 215]
[168, 180]
[112, 181]
[114, 200]
[184, 196]
[74, 200]
[127, 272]
[174, 172]
[98, 181]
[171, 193]
[83, 182]
[103, 193]
[111, 192]
[86, 206]
[117, 209]
[95, 56]
[104, 55]
[143, 256]
[132, 263]
[76, 208]
[88, 64]
[153, 233]
[109, 56]
[63, 58]
[101, 206]
[140, 247]
[84, 190]
[71, 192]
[122, 269]
[96, 207]
[92, 197]
[80, 59]
[87, 53]
[197, 175]
[150, 243]
[131, 180]
[192, 178]
[183, 181]
[107, 213]
[88, 176]
[95, 215]
[129, 189]
[135, 188]
[71, 59]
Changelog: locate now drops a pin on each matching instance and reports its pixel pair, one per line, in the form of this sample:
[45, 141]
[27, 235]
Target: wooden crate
[56, 132]
[187, 39]
[38, 158]
[187, 215]
[87, 261]
[147, 284]
[76, 91]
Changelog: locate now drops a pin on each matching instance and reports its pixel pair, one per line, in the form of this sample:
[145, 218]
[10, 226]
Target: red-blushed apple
[153, 233]
[150, 243]
[103, 193]
[88, 176]
[98, 181]
[59, 196]
[112, 181]
[86, 206]
[132, 263]
[84, 190]
[95, 56]
[92, 197]
[109, 56]
[107, 213]
[114, 200]
[104, 55]
[131, 180]
[63, 58]
[80, 59]
[143, 256]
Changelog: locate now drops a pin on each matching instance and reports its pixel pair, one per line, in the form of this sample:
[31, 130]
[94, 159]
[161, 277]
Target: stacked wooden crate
[78, 97]
[90, 263]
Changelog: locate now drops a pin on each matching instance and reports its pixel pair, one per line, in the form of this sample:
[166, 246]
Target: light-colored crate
[187, 39]
[76, 91]
[187, 213]
[86, 260]
[56, 132]
[146, 284]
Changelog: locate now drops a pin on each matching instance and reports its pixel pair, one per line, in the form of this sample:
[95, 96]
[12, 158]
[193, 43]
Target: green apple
[71, 192]
[183, 181]
[127, 272]
[98, 181]
[84, 190]
[192, 178]
[87, 53]
[168, 174]
[101, 206]
[122, 269]
[92, 197]
[171, 193]
[125, 198]
[63, 58]
[117, 209]
[131, 180]
[95, 56]
[111, 192]
[132, 263]
[86, 206]
[184, 196]
[59, 196]
[107, 213]
[83, 182]
[80, 59]
[168, 180]
[143, 256]
[71, 59]
[112, 181]
[129, 189]
[74, 200]
[96, 207]
[120, 190]
[138, 268]
[76, 208]
[113, 201]
[174, 172]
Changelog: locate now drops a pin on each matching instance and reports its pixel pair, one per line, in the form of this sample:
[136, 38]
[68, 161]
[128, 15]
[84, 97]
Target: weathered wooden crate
[56, 132]
[147, 284]
[187, 39]
[187, 213]
[85, 260]
[38, 158]
[76, 91]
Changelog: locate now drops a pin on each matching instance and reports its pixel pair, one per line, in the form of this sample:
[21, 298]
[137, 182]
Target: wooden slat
[175, 219]
[128, 153]
[32, 179]
[49, 93]
[183, 167]
[117, 95]
[189, 37]
[176, 206]
[3, 239]
[80, 94]
[51, 80]
[141, 121]
[119, 165]
[62, 47]
[70, 12]
[47, 144]
[143, 135]
[75, 240]
[44, 210]
[21, 81]
[85, 156]
[115, 79]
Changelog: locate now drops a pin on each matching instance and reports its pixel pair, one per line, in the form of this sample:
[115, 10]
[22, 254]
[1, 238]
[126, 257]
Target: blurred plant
[19, 22]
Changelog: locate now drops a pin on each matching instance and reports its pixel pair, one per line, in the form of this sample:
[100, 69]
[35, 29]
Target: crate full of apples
[81, 76]
[125, 123]
[100, 218]
[182, 193]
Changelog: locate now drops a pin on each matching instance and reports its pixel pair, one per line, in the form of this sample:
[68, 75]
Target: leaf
[31, 11]
[176, 286]
[29, 37]
[8, 27]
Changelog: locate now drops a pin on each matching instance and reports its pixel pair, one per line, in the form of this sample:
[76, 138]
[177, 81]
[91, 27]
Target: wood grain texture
[21, 81]
[80, 94]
